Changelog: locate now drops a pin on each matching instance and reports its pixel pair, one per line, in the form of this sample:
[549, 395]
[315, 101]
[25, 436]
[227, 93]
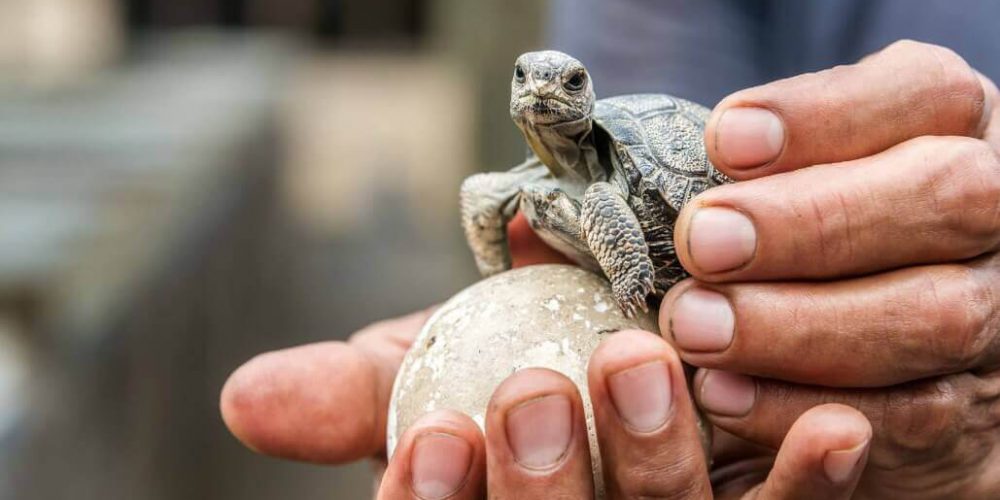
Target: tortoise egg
[550, 316]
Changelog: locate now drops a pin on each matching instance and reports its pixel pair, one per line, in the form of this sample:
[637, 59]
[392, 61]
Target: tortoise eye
[519, 73]
[576, 82]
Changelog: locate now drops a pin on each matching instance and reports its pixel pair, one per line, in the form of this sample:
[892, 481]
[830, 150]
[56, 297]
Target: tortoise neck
[567, 149]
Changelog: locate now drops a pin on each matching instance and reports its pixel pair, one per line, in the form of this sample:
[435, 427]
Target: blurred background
[186, 183]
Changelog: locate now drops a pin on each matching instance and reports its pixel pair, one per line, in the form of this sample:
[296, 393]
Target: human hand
[327, 402]
[322, 403]
[535, 444]
[857, 263]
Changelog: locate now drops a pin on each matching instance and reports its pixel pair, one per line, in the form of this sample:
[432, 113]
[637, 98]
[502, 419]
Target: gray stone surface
[550, 316]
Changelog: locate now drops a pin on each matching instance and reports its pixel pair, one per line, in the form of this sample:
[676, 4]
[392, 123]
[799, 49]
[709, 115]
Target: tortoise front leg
[555, 217]
[488, 203]
[615, 238]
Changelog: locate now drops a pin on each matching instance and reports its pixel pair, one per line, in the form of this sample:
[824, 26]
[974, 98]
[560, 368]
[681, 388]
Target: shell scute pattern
[604, 181]
[642, 104]
[659, 142]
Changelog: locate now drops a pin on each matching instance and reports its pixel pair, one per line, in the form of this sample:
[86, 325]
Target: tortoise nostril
[543, 74]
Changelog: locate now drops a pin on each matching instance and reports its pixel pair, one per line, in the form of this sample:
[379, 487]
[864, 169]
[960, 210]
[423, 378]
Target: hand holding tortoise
[856, 263]
[871, 212]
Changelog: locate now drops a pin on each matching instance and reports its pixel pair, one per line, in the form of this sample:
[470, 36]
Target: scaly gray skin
[574, 190]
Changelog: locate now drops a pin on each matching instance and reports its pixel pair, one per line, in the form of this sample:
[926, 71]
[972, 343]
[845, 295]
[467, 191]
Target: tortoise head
[549, 88]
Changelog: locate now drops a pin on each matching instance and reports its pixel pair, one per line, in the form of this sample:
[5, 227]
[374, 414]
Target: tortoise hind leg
[615, 238]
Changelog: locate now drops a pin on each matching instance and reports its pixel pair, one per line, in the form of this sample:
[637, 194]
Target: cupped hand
[535, 444]
[857, 263]
[326, 403]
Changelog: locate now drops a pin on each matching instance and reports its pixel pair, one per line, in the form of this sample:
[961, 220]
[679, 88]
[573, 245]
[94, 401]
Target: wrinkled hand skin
[874, 278]
[326, 403]
[873, 282]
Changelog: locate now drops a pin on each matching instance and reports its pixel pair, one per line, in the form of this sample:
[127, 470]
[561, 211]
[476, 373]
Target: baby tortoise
[603, 182]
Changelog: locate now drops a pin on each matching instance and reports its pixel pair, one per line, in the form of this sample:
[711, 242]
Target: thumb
[325, 402]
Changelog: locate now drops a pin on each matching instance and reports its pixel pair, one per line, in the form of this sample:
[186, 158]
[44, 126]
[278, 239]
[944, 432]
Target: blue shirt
[705, 49]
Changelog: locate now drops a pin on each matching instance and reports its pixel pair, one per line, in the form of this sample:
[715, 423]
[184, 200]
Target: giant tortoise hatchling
[603, 182]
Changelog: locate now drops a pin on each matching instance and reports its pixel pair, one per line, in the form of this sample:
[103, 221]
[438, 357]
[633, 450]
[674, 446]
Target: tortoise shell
[659, 140]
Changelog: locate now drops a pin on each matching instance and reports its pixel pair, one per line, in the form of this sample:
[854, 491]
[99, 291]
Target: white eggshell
[550, 316]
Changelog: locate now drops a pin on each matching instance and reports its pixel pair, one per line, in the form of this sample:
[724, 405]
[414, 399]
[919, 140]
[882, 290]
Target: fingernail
[749, 137]
[702, 320]
[720, 239]
[540, 430]
[727, 394]
[840, 465]
[439, 464]
[642, 395]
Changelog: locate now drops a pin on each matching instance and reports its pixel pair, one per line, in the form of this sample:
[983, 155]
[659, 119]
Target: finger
[526, 248]
[991, 116]
[932, 199]
[742, 471]
[921, 422]
[646, 423]
[536, 438]
[323, 402]
[821, 457]
[442, 455]
[866, 332]
[729, 449]
[907, 90]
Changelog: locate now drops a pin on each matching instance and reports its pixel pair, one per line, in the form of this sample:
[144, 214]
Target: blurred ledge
[369, 132]
[102, 184]
[47, 44]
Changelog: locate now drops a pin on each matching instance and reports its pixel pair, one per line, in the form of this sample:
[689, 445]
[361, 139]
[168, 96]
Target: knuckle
[905, 45]
[955, 79]
[667, 476]
[830, 228]
[959, 145]
[975, 152]
[922, 419]
[946, 60]
[983, 198]
[963, 306]
[926, 54]
[955, 70]
[964, 187]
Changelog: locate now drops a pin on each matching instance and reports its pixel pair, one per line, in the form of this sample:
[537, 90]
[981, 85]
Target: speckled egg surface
[550, 316]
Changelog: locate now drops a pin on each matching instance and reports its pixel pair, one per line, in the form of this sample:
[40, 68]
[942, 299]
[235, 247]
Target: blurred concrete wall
[52, 42]
[197, 197]
[486, 37]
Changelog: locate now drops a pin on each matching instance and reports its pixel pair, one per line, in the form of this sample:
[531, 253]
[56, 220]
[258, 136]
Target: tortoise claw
[632, 298]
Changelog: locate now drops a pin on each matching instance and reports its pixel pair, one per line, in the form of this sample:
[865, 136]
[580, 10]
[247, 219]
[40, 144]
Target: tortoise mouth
[542, 107]
[547, 110]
